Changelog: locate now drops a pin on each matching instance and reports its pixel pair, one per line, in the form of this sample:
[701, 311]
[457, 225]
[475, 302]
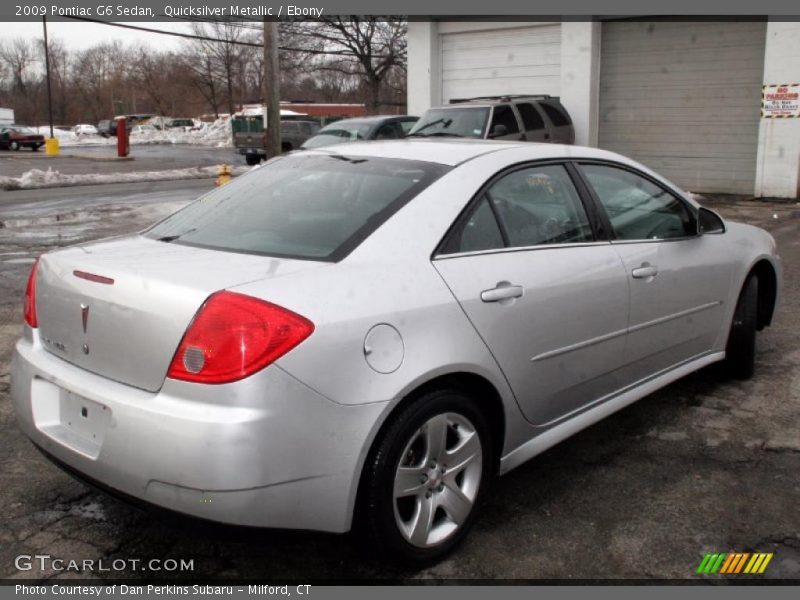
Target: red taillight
[233, 336]
[30, 297]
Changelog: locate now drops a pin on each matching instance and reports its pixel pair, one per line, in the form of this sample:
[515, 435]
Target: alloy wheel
[437, 479]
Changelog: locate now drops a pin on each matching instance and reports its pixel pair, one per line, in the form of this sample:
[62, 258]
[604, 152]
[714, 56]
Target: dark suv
[248, 136]
[539, 118]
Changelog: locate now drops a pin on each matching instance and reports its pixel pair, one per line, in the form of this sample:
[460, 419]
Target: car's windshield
[465, 121]
[339, 133]
[23, 130]
[317, 207]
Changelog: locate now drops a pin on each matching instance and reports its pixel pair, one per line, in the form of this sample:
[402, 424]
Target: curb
[42, 156]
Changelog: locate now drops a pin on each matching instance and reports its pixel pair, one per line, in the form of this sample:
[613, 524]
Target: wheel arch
[767, 290]
[469, 383]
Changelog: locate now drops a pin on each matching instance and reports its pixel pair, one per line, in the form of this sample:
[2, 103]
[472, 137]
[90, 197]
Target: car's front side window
[637, 208]
[406, 126]
[387, 131]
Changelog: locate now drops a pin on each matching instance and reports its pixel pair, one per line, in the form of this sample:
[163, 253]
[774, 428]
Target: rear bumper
[259, 151]
[267, 451]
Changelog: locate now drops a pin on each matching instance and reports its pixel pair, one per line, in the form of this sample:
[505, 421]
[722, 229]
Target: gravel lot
[704, 465]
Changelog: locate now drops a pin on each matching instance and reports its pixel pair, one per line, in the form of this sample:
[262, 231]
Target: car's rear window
[339, 133]
[307, 206]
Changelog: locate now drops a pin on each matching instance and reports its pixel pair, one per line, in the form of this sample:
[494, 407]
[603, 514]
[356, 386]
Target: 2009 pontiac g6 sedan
[365, 335]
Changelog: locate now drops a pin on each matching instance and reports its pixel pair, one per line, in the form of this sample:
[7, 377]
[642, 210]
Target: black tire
[379, 512]
[740, 353]
[35, 147]
[14, 146]
[252, 159]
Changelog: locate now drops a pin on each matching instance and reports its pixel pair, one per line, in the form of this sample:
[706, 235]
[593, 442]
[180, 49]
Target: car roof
[367, 120]
[453, 152]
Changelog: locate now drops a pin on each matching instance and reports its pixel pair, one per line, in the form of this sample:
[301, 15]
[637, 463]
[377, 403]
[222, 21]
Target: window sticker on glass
[540, 181]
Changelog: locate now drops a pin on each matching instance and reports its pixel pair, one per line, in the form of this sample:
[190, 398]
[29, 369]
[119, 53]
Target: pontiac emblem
[85, 316]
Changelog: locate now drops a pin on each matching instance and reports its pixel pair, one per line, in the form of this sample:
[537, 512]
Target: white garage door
[518, 60]
[683, 98]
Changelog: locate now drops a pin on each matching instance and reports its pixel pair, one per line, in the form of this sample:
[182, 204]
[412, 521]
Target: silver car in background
[366, 334]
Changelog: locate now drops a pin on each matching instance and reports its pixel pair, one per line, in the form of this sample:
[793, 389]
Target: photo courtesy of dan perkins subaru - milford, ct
[361, 336]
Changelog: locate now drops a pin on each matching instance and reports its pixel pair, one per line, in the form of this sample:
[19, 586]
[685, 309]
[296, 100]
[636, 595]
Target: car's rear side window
[540, 205]
[477, 233]
[316, 207]
[530, 117]
[557, 117]
[526, 207]
[503, 115]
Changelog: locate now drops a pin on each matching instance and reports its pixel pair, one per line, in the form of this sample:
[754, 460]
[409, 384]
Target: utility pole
[47, 68]
[271, 89]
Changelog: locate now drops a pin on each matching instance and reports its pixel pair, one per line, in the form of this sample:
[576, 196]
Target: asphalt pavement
[704, 465]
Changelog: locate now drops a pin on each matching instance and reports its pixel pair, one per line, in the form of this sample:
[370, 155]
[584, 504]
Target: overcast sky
[82, 35]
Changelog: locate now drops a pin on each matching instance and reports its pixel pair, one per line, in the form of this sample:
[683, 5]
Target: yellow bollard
[224, 174]
[51, 146]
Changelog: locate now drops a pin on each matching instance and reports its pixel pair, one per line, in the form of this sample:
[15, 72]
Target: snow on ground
[216, 134]
[37, 178]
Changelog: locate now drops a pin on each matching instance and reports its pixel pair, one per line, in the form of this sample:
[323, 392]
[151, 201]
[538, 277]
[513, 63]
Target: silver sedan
[365, 335]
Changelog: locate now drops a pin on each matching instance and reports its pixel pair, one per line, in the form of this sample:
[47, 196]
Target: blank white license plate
[70, 419]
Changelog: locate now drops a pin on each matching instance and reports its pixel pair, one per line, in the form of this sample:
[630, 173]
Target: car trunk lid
[119, 308]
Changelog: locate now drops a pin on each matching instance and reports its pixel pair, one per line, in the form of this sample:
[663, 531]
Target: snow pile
[217, 134]
[67, 138]
[37, 178]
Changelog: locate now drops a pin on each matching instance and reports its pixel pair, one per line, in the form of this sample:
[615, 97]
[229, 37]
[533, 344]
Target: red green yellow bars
[734, 563]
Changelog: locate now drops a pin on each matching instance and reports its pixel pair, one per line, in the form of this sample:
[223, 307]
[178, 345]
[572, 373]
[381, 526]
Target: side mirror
[710, 222]
[499, 130]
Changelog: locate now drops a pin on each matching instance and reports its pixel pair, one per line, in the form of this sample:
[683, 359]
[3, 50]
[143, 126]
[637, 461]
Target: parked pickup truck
[248, 136]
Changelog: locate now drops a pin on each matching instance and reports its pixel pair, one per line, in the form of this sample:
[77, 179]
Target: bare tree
[366, 47]
[59, 77]
[223, 50]
[204, 78]
[154, 73]
[19, 56]
[337, 60]
[251, 67]
[97, 79]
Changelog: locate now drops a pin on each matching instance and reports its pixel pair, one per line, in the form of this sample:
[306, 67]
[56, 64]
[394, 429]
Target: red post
[122, 138]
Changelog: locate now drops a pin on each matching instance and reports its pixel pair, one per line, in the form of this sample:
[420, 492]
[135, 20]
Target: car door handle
[503, 291]
[644, 272]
